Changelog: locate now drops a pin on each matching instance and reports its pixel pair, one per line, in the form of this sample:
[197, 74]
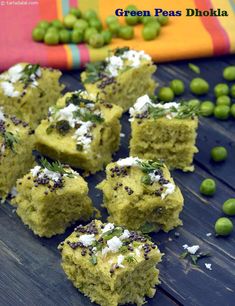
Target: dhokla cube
[28, 90]
[121, 78]
[16, 145]
[81, 131]
[51, 197]
[164, 131]
[111, 265]
[141, 195]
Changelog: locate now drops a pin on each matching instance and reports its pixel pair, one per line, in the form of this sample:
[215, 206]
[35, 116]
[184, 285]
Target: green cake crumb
[164, 131]
[111, 265]
[122, 77]
[141, 195]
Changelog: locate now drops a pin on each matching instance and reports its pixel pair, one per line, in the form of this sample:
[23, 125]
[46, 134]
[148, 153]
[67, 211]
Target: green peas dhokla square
[51, 197]
[121, 78]
[164, 131]
[111, 265]
[16, 145]
[141, 195]
[27, 91]
[81, 131]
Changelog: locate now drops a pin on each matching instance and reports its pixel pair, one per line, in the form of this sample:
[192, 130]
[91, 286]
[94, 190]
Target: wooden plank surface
[30, 272]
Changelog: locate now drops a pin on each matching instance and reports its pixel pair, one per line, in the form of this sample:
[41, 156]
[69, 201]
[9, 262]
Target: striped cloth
[183, 38]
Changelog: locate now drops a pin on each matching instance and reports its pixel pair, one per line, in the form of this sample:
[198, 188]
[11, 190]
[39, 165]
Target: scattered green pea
[177, 86]
[81, 24]
[95, 23]
[114, 28]
[229, 207]
[199, 86]
[38, 34]
[232, 110]
[126, 32]
[194, 103]
[223, 100]
[96, 40]
[57, 24]
[89, 14]
[149, 19]
[131, 20]
[111, 19]
[223, 226]
[77, 36]
[107, 36]
[166, 94]
[229, 73]
[65, 36]
[131, 7]
[163, 20]
[222, 112]
[149, 33]
[207, 108]
[76, 12]
[52, 29]
[43, 24]
[208, 187]
[221, 89]
[232, 91]
[219, 153]
[156, 25]
[69, 21]
[51, 38]
[88, 33]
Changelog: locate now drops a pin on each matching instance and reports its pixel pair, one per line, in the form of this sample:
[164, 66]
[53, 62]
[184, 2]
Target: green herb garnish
[194, 257]
[88, 116]
[111, 233]
[27, 73]
[194, 68]
[93, 71]
[77, 99]
[130, 259]
[123, 249]
[55, 167]
[120, 51]
[150, 165]
[10, 140]
[93, 259]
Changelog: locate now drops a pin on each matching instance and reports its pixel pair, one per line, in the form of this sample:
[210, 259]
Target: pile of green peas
[78, 27]
[223, 225]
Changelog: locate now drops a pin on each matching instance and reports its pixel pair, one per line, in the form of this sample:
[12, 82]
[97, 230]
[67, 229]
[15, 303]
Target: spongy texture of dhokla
[80, 131]
[141, 194]
[28, 90]
[111, 265]
[16, 145]
[164, 131]
[121, 78]
[49, 201]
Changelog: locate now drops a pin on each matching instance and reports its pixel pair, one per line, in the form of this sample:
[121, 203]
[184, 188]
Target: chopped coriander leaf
[120, 51]
[130, 259]
[77, 99]
[194, 68]
[114, 232]
[27, 73]
[146, 179]
[150, 165]
[9, 140]
[194, 257]
[93, 259]
[94, 70]
[88, 116]
[187, 110]
[55, 167]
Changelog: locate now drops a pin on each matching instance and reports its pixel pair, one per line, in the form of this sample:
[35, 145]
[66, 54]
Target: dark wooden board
[30, 272]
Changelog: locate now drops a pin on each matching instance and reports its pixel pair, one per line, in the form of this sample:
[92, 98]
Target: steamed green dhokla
[166, 131]
[121, 78]
[28, 90]
[16, 145]
[51, 197]
[111, 265]
[141, 195]
[80, 131]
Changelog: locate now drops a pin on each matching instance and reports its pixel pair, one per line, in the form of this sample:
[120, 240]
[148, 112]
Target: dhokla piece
[141, 195]
[80, 131]
[111, 265]
[16, 145]
[28, 90]
[164, 131]
[51, 197]
[121, 78]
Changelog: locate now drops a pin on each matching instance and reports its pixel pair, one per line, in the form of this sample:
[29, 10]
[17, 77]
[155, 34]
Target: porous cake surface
[28, 90]
[80, 131]
[51, 197]
[164, 131]
[122, 77]
[16, 145]
[111, 265]
[141, 194]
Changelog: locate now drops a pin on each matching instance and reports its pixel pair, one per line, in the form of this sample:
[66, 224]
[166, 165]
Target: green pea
[223, 227]
[221, 89]
[149, 33]
[107, 36]
[219, 153]
[65, 36]
[166, 94]
[51, 38]
[229, 207]
[76, 12]
[177, 86]
[232, 110]
[194, 103]
[43, 24]
[222, 112]
[148, 19]
[57, 24]
[96, 40]
[156, 25]
[223, 100]
[111, 19]
[77, 36]
[126, 32]
[229, 73]
[163, 20]
[232, 91]
[89, 14]
[207, 108]
[52, 29]
[38, 34]
[95, 23]
[69, 21]
[81, 24]
[131, 7]
[114, 28]
[199, 86]
[88, 33]
[208, 187]
[131, 20]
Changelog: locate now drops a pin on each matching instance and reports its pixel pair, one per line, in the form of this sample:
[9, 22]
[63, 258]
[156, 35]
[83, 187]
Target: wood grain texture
[30, 272]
